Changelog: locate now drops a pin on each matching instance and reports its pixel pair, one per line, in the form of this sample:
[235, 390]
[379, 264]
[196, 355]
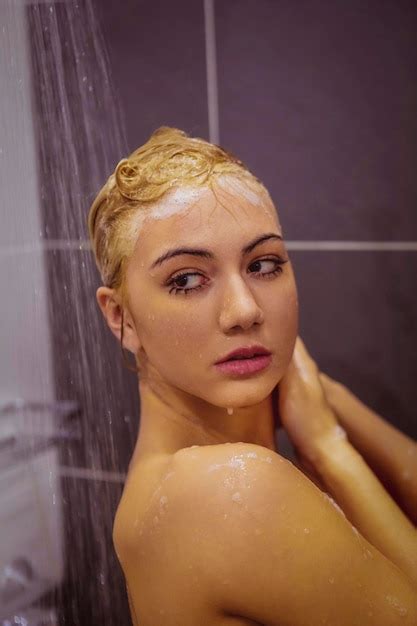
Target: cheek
[169, 333]
[285, 320]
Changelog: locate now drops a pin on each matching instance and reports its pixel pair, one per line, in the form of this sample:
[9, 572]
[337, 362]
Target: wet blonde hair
[170, 158]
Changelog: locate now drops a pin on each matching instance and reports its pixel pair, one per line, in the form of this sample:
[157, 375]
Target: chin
[245, 393]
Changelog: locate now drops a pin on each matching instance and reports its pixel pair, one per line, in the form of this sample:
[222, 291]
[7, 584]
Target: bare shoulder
[237, 530]
[276, 548]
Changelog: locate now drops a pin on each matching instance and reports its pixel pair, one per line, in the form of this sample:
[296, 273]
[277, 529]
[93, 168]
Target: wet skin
[233, 299]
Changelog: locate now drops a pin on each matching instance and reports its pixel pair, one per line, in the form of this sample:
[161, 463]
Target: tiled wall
[319, 100]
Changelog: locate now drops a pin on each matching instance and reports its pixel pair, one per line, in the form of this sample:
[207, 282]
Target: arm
[367, 505]
[312, 425]
[390, 454]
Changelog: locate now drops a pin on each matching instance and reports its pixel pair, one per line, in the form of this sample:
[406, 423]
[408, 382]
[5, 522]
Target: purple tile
[319, 100]
[158, 64]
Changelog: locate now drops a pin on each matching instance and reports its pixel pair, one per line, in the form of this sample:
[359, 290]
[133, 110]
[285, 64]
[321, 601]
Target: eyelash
[181, 290]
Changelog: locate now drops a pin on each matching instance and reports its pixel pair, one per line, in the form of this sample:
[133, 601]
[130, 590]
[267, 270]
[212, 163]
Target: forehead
[201, 215]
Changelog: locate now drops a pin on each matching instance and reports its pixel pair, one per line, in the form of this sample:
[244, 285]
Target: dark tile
[357, 318]
[158, 65]
[319, 100]
[100, 75]
[93, 591]
[88, 366]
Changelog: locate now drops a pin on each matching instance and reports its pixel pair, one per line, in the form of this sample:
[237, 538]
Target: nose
[240, 309]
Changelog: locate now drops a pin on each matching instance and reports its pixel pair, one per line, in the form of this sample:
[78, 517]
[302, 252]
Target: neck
[172, 419]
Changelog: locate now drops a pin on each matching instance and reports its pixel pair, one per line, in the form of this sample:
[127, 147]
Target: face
[190, 310]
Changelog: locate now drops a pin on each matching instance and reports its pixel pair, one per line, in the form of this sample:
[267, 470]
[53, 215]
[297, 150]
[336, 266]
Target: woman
[215, 527]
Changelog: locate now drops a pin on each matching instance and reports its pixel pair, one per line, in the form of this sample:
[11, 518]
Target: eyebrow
[201, 252]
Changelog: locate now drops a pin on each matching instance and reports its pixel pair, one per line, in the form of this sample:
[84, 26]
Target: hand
[333, 389]
[304, 410]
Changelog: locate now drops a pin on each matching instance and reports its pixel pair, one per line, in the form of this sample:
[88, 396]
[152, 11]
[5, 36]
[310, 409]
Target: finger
[303, 359]
[326, 379]
[329, 383]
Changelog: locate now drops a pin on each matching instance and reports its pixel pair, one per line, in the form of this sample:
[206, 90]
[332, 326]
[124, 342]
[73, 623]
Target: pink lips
[256, 358]
[245, 366]
[246, 351]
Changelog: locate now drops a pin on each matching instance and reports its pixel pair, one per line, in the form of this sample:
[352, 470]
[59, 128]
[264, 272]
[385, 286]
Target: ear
[112, 308]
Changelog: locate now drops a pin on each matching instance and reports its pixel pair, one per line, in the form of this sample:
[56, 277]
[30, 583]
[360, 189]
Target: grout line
[353, 245]
[91, 474]
[338, 246]
[211, 71]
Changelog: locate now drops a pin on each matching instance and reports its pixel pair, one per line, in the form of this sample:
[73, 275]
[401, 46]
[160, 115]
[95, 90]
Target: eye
[182, 279]
[276, 263]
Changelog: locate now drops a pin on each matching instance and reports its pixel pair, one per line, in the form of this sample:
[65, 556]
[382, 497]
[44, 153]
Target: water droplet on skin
[237, 462]
[307, 531]
[336, 506]
[395, 603]
[236, 497]
[331, 581]
[339, 432]
[230, 411]
[268, 459]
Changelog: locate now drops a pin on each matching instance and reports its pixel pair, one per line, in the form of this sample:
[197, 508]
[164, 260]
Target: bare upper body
[234, 534]
[230, 533]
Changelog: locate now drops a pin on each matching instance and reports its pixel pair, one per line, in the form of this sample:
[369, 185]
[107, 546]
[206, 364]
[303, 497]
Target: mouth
[244, 366]
[245, 361]
[245, 353]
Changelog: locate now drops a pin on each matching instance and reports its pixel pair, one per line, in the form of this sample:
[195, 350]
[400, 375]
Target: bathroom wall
[26, 363]
[30, 519]
[319, 100]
